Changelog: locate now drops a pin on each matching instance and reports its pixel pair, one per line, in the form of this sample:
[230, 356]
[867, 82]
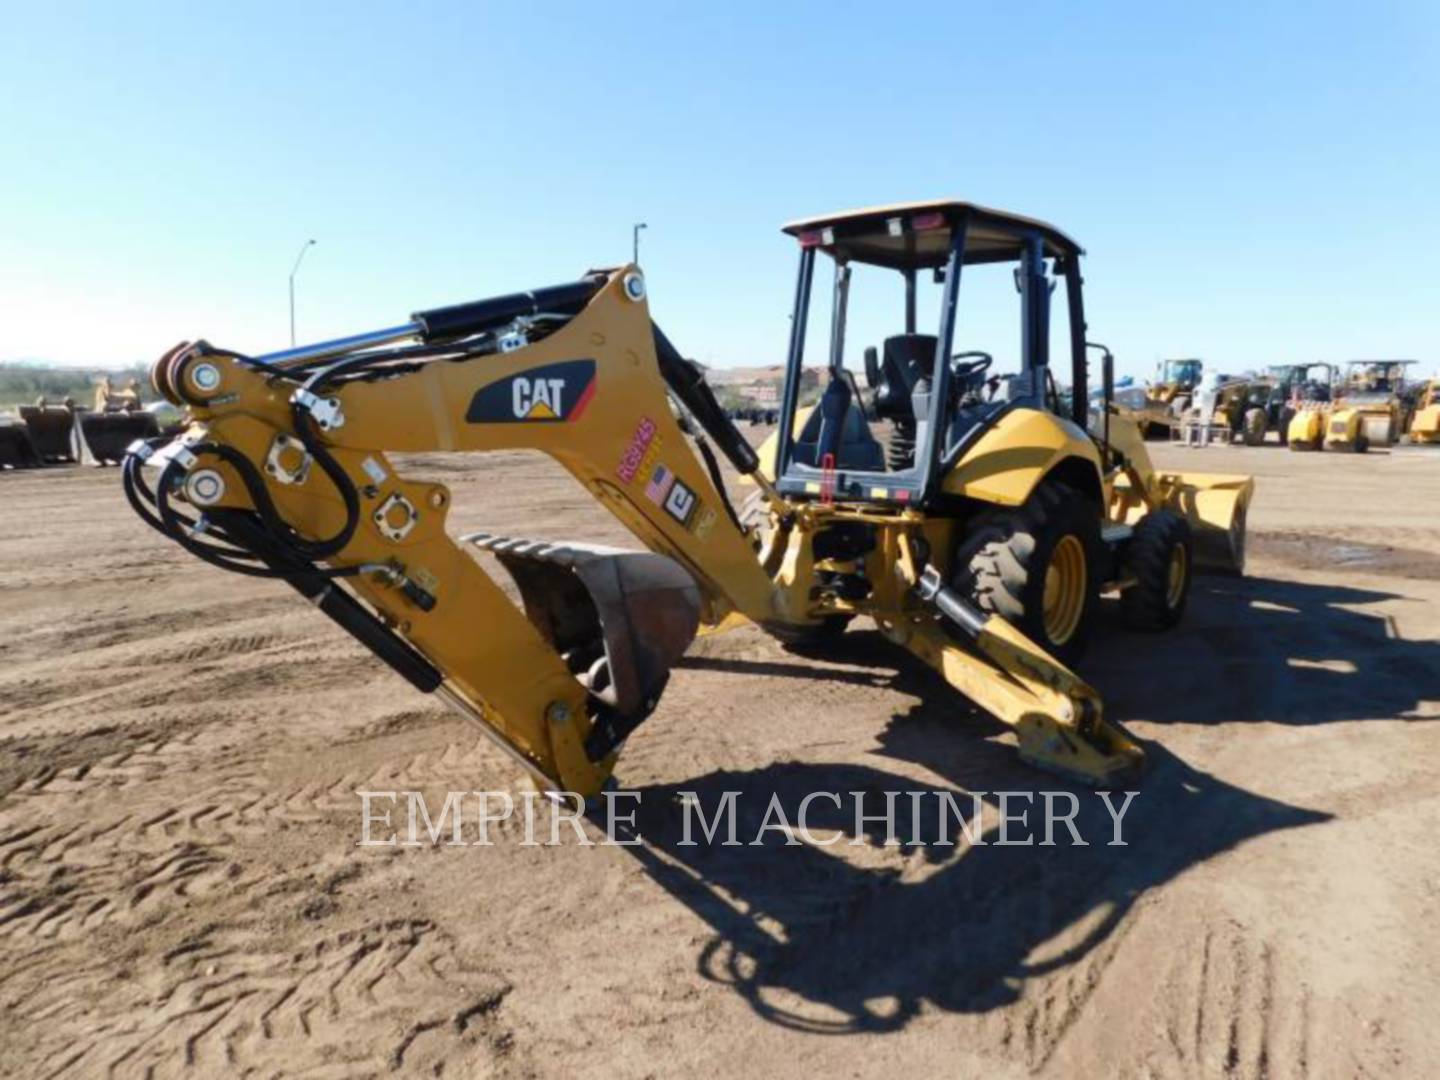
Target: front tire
[1254, 427]
[1035, 567]
[1160, 559]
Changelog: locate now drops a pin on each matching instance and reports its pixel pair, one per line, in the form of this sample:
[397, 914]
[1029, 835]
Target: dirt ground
[180, 886]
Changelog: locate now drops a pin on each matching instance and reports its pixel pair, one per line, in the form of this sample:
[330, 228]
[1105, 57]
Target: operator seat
[907, 359]
[837, 427]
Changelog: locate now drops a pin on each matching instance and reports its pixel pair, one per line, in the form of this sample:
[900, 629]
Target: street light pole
[635, 239]
[293, 271]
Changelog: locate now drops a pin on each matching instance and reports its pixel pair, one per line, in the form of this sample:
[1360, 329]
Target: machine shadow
[1263, 649]
[847, 939]
[859, 936]
[1249, 650]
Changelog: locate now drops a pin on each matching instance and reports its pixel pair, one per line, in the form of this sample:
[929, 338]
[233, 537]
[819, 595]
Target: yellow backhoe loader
[979, 535]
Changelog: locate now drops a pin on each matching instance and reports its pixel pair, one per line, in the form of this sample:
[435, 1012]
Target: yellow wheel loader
[1373, 408]
[1425, 427]
[979, 535]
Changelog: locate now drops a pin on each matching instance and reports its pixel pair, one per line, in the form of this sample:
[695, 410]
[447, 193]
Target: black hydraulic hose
[342, 607]
[136, 491]
[300, 416]
[688, 384]
[230, 553]
[139, 495]
[175, 528]
[713, 466]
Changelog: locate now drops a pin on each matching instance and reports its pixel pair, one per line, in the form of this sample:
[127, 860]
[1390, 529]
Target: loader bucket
[17, 450]
[52, 431]
[1215, 504]
[102, 437]
[621, 619]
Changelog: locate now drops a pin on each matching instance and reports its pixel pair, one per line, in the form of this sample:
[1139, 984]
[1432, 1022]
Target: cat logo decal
[553, 393]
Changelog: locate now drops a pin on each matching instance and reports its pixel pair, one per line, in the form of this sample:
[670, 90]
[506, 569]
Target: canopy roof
[916, 235]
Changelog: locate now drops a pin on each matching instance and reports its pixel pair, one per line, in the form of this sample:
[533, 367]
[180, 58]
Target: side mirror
[872, 367]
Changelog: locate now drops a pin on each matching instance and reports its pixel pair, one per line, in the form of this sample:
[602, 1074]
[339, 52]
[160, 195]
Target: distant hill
[22, 383]
[741, 386]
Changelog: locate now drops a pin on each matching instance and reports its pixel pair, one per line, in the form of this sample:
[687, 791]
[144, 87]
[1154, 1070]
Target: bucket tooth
[620, 618]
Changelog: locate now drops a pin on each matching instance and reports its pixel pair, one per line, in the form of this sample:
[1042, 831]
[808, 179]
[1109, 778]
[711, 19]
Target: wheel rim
[1065, 581]
[1175, 578]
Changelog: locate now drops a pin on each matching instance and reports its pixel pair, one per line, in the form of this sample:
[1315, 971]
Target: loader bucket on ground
[52, 431]
[17, 450]
[102, 437]
[1216, 505]
[621, 619]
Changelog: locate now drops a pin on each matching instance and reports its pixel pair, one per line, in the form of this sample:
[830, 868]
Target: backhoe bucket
[52, 431]
[102, 437]
[621, 619]
[17, 450]
[1215, 504]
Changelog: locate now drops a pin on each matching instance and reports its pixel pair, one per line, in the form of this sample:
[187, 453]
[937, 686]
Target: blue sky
[1253, 182]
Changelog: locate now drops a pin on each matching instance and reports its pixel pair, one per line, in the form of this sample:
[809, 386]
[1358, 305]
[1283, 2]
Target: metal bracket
[381, 517]
[326, 411]
[513, 339]
[275, 459]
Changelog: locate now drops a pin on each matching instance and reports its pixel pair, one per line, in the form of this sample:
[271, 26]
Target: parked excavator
[978, 535]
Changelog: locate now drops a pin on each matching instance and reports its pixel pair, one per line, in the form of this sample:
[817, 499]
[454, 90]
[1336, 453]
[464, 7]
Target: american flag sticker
[661, 481]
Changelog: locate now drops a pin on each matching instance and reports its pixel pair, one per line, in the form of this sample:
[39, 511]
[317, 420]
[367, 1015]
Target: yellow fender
[1342, 428]
[1307, 430]
[1011, 459]
[1426, 426]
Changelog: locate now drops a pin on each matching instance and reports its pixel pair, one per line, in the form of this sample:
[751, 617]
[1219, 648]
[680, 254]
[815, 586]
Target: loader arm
[286, 472]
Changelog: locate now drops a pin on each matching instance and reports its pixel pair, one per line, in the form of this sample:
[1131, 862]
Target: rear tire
[1161, 560]
[1036, 567]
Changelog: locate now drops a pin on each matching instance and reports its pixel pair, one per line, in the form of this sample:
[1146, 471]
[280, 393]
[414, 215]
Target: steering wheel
[971, 365]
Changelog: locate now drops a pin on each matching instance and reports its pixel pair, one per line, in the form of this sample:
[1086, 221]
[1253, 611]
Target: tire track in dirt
[386, 995]
[1231, 1005]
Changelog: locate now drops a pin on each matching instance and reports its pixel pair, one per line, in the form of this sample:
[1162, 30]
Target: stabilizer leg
[1057, 717]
